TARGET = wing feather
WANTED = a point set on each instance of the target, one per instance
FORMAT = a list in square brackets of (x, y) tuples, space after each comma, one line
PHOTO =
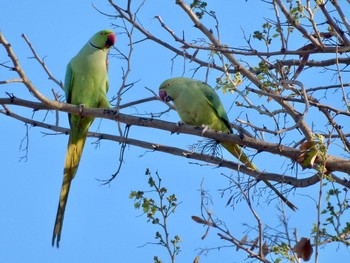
[(68, 82), (215, 102)]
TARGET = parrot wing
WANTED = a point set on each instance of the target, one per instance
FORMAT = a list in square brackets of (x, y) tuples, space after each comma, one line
[(68, 81), (215, 102)]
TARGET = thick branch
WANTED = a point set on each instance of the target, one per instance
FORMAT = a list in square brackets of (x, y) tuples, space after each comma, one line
[(295, 182), (333, 163)]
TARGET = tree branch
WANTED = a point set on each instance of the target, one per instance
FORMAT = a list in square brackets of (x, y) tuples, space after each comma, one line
[(333, 163), (42, 63)]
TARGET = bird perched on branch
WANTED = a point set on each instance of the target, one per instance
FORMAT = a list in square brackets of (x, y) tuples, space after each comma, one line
[(198, 104), (86, 84)]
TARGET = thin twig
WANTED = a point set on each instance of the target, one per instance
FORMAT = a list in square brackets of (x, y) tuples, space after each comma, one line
[(42, 63)]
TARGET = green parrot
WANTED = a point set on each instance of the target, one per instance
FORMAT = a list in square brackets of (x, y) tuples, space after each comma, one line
[(198, 104), (86, 84)]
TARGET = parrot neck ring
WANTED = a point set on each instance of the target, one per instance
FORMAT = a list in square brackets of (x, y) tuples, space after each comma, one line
[(95, 46)]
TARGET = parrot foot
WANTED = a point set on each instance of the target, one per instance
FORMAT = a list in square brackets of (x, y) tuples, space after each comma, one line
[(81, 108), (205, 128), (180, 123)]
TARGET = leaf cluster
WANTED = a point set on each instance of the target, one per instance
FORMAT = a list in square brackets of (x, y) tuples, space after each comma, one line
[(158, 205), (335, 226)]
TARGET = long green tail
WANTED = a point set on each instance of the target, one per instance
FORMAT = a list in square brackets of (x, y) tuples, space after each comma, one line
[(74, 152), (236, 151)]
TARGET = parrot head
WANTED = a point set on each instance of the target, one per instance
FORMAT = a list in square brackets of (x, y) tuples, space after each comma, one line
[(103, 39), (170, 88)]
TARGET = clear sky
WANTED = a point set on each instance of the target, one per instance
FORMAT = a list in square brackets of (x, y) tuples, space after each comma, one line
[(101, 224)]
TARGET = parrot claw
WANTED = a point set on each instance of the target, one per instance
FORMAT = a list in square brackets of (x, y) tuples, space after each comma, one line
[(205, 128), (180, 123), (81, 108)]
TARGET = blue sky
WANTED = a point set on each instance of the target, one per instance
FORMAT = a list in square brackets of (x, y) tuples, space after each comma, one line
[(101, 224)]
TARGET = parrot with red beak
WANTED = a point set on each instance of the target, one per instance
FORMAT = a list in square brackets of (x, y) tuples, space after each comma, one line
[(86, 84)]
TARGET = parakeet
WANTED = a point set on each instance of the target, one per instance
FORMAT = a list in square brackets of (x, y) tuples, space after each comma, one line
[(198, 104), (86, 84)]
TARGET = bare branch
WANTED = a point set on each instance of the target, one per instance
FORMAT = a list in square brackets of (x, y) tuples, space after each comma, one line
[(334, 25), (42, 63), (294, 23), (10, 81), (333, 163)]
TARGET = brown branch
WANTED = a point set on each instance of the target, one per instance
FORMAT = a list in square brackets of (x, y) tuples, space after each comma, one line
[(10, 81), (42, 63), (312, 101), (333, 25), (254, 79), (250, 252), (230, 50), (338, 165), (333, 163), (25, 103), (17, 67), (162, 148), (253, 52), (313, 63), (224, 232), (301, 29), (125, 14), (341, 14)]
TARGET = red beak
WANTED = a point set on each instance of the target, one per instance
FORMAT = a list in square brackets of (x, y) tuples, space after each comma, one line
[(110, 40)]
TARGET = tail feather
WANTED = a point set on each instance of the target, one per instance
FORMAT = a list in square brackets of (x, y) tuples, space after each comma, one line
[(237, 151), (73, 155)]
